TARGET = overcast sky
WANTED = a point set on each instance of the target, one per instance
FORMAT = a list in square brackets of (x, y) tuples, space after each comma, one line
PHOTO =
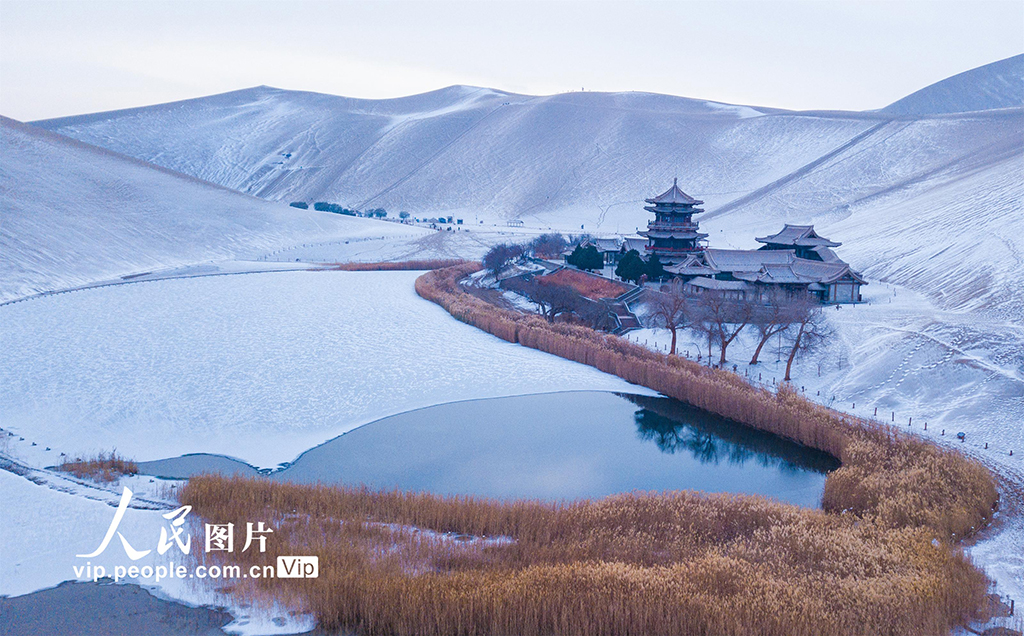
[(64, 58)]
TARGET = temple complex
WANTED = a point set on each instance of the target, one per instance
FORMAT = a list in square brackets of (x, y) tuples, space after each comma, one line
[(796, 259)]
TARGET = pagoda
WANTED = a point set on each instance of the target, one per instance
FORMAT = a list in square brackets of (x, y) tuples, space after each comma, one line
[(673, 235)]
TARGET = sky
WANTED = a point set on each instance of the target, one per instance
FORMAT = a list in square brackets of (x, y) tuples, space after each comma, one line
[(65, 58)]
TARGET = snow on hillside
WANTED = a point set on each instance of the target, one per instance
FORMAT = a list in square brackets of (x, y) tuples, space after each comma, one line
[(463, 149), (259, 366), (996, 85), (73, 214), (933, 204), (585, 162)]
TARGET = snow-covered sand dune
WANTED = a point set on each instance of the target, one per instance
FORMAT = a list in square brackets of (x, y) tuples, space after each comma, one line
[(996, 85), (73, 214), (891, 184)]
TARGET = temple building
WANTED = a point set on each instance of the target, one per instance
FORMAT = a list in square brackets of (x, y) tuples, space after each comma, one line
[(796, 259), (673, 235)]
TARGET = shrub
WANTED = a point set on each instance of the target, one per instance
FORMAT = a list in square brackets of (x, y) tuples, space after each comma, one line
[(302, 205), (324, 206), (654, 268), (103, 467), (548, 245), (501, 256), (586, 258), (631, 267)]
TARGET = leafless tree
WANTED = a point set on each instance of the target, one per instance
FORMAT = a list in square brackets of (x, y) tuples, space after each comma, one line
[(554, 300), (808, 328), (594, 313), (770, 317), (499, 257), (670, 309), (721, 318), (548, 245)]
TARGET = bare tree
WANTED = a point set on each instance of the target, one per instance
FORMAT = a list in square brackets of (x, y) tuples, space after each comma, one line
[(670, 309), (721, 319), (808, 327), (596, 314), (771, 317), (499, 257), (553, 300), (548, 245)]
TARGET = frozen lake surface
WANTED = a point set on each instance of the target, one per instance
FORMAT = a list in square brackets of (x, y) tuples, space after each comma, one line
[(259, 367), (560, 446)]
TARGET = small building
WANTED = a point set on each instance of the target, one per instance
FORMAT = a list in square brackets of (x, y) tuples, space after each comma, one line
[(830, 281)]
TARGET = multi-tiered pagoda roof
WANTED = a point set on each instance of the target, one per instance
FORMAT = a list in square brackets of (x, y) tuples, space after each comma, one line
[(673, 234)]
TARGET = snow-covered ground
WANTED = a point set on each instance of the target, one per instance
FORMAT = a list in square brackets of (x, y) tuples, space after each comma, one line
[(931, 202), (47, 525), (898, 353), (262, 366), (259, 367), (73, 214)]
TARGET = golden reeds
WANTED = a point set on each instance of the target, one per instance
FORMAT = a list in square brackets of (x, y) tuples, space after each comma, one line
[(881, 558), (103, 467), (661, 563)]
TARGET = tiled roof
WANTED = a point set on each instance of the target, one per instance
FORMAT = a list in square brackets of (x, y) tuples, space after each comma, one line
[(746, 260), (765, 266), (606, 244), (802, 235), (674, 234), (721, 285), (674, 195), (826, 254)]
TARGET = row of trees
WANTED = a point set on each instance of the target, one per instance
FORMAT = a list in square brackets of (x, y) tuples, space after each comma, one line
[(544, 246), (324, 206), (720, 319)]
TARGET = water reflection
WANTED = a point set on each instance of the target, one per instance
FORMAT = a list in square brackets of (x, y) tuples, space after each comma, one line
[(555, 446), (675, 427)]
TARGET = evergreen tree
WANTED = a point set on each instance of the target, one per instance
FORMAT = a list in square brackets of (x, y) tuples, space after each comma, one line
[(586, 258), (631, 267), (654, 269)]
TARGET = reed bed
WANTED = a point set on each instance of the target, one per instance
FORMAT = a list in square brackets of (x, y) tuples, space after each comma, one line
[(103, 467), (660, 563), (894, 478), (419, 265), (881, 558)]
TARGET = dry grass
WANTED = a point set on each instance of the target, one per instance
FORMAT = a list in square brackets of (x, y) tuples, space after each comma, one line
[(881, 558), (397, 266), (669, 563), (592, 287), (105, 468), (887, 475)]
